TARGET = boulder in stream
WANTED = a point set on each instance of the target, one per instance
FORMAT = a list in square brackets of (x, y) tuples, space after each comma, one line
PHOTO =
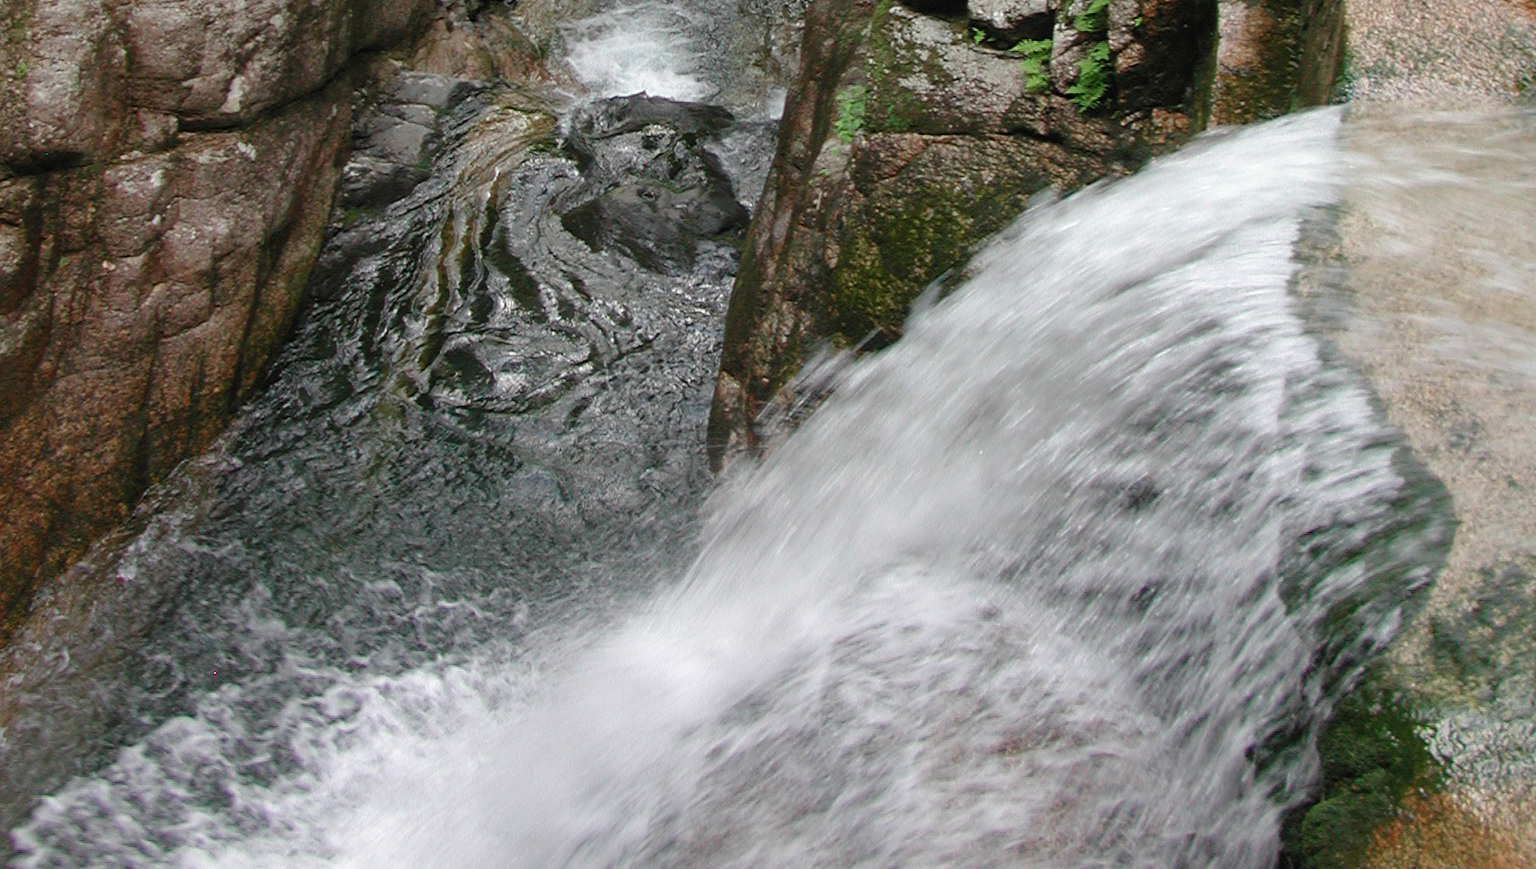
[(659, 190)]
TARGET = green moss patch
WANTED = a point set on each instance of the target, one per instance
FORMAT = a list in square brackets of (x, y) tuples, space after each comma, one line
[(1374, 759), (923, 222), (887, 261)]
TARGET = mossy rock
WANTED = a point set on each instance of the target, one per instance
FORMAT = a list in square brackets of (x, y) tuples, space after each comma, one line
[(925, 220), (1374, 759), (925, 75)]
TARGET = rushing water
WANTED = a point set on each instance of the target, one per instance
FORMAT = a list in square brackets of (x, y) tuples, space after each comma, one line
[(1064, 578), (1044, 584)]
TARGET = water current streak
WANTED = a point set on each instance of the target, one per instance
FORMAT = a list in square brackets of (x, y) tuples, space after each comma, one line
[(1064, 578)]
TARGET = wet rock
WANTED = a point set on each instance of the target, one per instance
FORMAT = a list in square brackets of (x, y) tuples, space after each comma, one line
[(1373, 758), (545, 245), (655, 224), (605, 119), (917, 129), (907, 139), (1017, 19), (659, 192), (1427, 261), (166, 171), (154, 290), (394, 140)]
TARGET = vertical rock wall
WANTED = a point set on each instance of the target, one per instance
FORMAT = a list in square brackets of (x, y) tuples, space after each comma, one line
[(166, 170), (911, 135), (1275, 56), (916, 129)]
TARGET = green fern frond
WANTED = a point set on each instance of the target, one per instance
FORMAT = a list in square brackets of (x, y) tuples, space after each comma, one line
[(1095, 19), (1036, 63), (1093, 78), (852, 104)]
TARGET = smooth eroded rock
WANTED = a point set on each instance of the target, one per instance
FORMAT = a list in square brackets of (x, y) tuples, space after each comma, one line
[(659, 190)]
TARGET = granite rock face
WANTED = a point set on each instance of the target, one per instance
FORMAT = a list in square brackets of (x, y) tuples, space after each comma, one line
[(166, 172), (87, 80), (917, 129), (1274, 57), (1015, 17), (907, 139)]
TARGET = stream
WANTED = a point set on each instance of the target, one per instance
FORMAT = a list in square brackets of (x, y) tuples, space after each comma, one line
[(1066, 577)]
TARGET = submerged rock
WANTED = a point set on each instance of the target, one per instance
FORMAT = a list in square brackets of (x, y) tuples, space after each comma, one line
[(393, 143), (658, 191), (616, 116), (657, 225)]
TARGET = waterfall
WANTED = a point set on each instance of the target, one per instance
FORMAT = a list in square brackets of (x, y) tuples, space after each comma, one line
[(1063, 578)]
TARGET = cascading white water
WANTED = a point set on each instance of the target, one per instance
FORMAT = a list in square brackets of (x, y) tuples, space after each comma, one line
[(640, 48), (1038, 586), (728, 54)]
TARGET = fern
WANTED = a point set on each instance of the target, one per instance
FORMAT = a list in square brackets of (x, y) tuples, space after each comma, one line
[(1093, 78), (852, 103), (1095, 19), (1036, 63)]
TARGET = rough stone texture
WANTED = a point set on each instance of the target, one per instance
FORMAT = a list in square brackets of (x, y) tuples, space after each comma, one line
[(166, 171), (218, 64), (1445, 332), (906, 140), (1445, 335), (467, 40), (87, 79), (1015, 18), (1439, 265), (1275, 56), (1439, 54), (152, 289), (62, 72)]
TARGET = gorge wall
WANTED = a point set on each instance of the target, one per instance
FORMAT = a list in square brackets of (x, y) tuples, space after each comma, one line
[(167, 168), (916, 130), (166, 172)]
